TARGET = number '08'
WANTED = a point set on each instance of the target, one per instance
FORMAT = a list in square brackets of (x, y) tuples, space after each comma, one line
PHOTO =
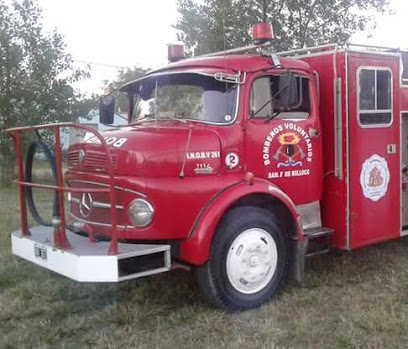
[(109, 141)]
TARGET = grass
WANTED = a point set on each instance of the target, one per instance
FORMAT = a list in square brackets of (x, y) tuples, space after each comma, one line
[(351, 300)]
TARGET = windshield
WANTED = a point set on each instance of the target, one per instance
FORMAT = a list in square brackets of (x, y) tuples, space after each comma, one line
[(186, 96)]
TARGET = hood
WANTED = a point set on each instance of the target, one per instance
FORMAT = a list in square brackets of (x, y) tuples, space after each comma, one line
[(150, 151)]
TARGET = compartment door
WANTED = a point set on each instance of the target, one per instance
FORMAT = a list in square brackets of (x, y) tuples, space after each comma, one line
[(374, 149)]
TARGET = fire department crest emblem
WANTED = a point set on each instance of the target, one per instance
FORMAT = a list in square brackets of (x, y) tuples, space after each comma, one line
[(374, 178), (288, 151), (289, 154)]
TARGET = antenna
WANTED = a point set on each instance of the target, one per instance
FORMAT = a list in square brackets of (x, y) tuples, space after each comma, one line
[(262, 37), (155, 102), (225, 64), (224, 40)]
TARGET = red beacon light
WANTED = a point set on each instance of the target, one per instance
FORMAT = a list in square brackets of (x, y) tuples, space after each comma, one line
[(262, 33), (175, 52)]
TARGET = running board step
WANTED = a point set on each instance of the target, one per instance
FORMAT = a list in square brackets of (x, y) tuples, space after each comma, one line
[(317, 241), (317, 232)]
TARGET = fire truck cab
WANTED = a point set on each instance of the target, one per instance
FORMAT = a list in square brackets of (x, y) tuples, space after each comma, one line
[(240, 165)]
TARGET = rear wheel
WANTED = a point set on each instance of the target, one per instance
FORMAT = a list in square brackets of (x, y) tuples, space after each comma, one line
[(248, 260)]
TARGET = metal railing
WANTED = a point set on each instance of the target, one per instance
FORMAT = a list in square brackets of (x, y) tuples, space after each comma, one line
[(307, 50), (60, 238)]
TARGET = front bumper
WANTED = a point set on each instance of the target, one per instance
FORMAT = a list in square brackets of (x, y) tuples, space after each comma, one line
[(90, 262)]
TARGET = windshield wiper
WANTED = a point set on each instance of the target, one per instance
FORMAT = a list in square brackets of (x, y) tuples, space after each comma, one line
[(151, 117), (176, 119), (144, 118)]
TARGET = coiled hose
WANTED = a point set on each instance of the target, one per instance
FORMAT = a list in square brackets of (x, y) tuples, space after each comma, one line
[(28, 178)]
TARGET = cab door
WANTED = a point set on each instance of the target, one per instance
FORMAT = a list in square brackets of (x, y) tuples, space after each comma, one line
[(374, 149), (283, 137)]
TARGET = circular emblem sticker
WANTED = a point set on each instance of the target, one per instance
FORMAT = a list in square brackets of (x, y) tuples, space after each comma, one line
[(232, 160), (374, 177)]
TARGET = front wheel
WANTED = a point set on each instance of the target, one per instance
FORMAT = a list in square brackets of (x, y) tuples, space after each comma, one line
[(248, 260)]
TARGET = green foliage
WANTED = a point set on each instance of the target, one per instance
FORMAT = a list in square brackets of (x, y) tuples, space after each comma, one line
[(183, 100), (35, 75), (124, 76), (203, 25)]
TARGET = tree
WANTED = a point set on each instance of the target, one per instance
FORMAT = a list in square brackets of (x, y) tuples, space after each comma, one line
[(212, 25), (35, 76), (124, 76)]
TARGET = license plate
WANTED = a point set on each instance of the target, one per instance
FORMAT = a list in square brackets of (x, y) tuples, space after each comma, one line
[(40, 252)]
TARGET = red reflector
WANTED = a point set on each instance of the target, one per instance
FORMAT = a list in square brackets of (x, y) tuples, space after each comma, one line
[(262, 32), (175, 52), (250, 178)]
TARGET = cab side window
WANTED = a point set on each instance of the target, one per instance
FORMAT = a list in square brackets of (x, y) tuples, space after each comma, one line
[(260, 98), (280, 96), (375, 97), (404, 68)]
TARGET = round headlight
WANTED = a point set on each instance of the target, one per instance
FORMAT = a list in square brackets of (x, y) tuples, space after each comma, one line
[(140, 213)]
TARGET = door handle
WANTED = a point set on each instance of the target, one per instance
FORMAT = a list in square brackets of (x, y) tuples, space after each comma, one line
[(391, 148), (313, 133)]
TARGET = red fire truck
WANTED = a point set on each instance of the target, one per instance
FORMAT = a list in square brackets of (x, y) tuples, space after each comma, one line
[(238, 164)]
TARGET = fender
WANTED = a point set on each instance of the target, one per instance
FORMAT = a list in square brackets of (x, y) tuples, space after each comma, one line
[(196, 248)]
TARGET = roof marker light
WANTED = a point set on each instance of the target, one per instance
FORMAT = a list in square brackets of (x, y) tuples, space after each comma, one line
[(262, 33), (175, 52)]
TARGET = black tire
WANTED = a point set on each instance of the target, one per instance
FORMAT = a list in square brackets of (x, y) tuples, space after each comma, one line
[(213, 277)]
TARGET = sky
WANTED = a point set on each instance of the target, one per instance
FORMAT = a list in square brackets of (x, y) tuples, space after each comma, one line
[(117, 33), (124, 33)]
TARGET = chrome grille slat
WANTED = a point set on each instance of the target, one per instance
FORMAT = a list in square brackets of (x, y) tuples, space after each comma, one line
[(73, 158)]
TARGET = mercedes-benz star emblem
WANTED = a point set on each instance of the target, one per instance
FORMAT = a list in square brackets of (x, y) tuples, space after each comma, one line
[(85, 204), (81, 156)]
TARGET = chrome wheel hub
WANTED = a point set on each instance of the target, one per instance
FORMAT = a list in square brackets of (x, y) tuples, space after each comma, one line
[(251, 261)]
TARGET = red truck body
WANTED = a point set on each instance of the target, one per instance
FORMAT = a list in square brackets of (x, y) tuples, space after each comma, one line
[(328, 169), (359, 216), (155, 155)]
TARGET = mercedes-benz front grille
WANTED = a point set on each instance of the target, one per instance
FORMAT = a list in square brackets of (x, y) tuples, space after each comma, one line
[(90, 159)]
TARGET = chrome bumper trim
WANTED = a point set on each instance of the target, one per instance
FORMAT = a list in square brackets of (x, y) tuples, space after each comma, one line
[(100, 224), (94, 203), (107, 185)]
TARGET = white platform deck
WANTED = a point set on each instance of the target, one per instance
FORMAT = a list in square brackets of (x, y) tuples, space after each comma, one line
[(85, 261)]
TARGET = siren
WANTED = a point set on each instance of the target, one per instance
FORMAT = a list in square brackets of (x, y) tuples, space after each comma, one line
[(262, 33), (175, 52)]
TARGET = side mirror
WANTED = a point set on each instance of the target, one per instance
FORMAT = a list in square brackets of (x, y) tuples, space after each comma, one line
[(106, 110)]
